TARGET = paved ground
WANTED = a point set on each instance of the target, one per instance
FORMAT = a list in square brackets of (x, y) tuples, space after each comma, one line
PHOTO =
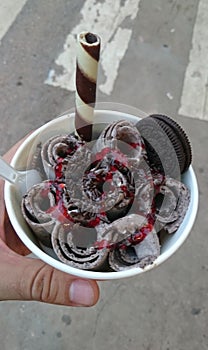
[(166, 309)]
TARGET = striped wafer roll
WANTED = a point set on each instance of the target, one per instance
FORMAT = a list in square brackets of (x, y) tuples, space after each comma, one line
[(86, 77)]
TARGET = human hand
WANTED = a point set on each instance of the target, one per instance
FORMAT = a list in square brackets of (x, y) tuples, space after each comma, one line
[(24, 278)]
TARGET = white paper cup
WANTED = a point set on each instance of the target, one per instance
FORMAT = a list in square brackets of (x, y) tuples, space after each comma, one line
[(65, 124)]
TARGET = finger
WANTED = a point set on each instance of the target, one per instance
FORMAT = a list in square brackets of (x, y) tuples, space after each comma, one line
[(31, 279)]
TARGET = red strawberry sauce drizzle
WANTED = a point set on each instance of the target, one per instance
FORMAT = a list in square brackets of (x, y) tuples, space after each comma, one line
[(72, 148), (137, 145), (58, 169), (114, 161), (118, 160), (59, 210), (132, 240)]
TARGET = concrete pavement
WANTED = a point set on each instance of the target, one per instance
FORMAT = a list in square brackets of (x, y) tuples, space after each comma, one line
[(167, 308)]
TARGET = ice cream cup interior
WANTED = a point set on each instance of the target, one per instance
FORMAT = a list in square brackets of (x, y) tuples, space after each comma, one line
[(13, 200)]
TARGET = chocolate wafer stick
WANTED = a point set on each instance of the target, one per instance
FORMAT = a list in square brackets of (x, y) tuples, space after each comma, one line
[(86, 78)]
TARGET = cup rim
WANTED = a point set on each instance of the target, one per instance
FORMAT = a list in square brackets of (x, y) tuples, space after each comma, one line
[(96, 275)]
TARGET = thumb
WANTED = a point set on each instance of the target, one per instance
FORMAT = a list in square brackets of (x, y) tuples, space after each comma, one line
[(31, 279)]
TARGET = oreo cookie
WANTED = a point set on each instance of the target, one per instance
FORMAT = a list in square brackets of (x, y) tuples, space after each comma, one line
[(167, 145), (182, 136)]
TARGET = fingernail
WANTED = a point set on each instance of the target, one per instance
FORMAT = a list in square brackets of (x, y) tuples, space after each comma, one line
[(81, 293)]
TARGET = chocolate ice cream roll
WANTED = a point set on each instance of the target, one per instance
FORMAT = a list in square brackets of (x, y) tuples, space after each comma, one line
[(74, 171), (120, 155), (140, 247), (75, 246), (37, 205), (171, 202), (124, 136), (108, 185), (55, 150), (120, 231)]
